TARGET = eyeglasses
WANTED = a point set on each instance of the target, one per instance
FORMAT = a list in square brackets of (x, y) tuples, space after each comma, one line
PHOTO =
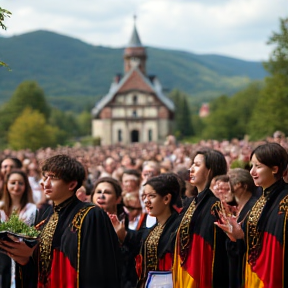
[(50, 176)]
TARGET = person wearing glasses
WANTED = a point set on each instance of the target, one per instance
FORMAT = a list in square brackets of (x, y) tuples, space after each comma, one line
[(78, 245), (131, 181)]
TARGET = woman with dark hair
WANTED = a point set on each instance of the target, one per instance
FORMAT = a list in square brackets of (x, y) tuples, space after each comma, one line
[(17, 198), (200, 258), (160, 195), (265, 228)]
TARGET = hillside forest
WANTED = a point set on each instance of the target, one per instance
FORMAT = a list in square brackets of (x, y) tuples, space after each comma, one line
[(28, 121)]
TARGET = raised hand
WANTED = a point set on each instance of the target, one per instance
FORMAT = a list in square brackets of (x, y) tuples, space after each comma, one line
[(119, 227), (228, 222)]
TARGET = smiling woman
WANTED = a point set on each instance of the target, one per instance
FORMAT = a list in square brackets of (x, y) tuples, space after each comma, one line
[(17, 199), (266, 263), (264, 230)]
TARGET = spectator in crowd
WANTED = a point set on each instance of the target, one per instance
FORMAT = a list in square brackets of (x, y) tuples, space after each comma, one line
[(34, 177), (278, 137), (244, 192), (17, 198), (221, 188), (190, 190), (131, 180), (7, 164), (109, 166), (81, 194), (149, 169), (107, 195)]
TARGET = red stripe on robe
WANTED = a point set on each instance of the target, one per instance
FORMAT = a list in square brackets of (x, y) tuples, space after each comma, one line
[(62, 273), (199, 261), (268, 269), (165, 264), (198, 267)]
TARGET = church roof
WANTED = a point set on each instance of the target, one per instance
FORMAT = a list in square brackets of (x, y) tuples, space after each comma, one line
[(135, 39), (134, 79)]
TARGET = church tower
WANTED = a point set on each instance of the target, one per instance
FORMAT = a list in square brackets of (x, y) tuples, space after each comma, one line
[(135, 109), (135, 53)]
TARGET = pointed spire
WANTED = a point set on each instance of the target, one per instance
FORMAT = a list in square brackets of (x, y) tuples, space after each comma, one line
[(135, 39)]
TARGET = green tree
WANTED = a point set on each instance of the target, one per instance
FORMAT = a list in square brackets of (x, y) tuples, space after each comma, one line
[(229, 115), (27, 94), (84, 121), (278, 61), (271, 110), (215, 125), (3, 13), (30, 131), (66, 121), (183, 120)]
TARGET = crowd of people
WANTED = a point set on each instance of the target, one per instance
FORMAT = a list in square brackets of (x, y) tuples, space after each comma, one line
[(210, 214)]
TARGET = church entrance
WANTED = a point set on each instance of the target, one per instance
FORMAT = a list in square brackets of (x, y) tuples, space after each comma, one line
[(134, 136)]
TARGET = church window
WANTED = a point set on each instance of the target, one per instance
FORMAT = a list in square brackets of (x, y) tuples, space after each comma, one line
[(119, 135), (150, 134), (135, 99)]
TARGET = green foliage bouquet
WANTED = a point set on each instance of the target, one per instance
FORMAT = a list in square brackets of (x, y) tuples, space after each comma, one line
[(16, 227)]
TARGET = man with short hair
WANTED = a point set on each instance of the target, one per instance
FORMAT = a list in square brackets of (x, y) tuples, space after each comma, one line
[(78, 245)]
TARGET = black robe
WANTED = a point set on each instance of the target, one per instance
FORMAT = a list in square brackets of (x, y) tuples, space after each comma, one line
[(266, 234), (200, 253), (85, 251), (236, 250), (135, 241)]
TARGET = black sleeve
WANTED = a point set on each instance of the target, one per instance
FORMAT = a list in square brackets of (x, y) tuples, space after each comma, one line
[(100, 255)]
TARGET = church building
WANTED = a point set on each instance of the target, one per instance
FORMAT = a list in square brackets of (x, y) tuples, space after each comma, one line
[(135, 108)]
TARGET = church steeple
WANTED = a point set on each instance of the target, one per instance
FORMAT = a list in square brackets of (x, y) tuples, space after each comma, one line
[(135, 39), (135, 52)]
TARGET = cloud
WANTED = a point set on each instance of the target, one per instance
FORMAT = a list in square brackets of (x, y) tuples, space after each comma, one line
[(238, 27)]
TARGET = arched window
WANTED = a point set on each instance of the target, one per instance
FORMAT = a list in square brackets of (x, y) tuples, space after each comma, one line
[(135, 99), (150, 135), (134, 136), (119, 135)]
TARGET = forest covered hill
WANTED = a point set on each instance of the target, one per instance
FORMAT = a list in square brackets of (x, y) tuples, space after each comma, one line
[(74, 74)]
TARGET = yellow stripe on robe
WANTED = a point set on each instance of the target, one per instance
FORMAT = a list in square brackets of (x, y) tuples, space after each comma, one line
[(251, 278), (181, 278)]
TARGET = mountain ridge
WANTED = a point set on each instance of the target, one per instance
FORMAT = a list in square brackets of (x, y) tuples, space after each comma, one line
[(70, 70)]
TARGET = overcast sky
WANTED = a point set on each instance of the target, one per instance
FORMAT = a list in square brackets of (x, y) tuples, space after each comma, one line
[(236, 28)]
